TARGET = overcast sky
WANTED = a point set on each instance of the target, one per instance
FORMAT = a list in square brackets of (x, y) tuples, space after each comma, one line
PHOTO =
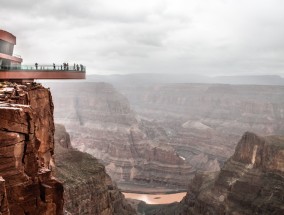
[(208, 37)]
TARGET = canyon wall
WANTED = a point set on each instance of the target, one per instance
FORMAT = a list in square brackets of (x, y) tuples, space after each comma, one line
[(168, 130), (26, 151), (88, 189), (250, 182), (207, 120), (101, 122)]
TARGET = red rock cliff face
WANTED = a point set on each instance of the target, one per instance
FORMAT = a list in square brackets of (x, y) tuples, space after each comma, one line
[(251, 181), (26, 149)]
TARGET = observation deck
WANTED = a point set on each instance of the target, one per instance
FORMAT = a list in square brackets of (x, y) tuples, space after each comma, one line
[(26, 72), (11, 68)]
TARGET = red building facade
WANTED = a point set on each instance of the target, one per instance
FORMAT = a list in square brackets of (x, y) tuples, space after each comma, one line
[(7, 42)]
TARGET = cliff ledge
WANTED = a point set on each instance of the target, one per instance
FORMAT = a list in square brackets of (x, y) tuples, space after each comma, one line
[(26, 151)]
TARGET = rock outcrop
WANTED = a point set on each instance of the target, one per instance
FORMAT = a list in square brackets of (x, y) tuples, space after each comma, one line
[(88, 189), (26, 150), (250, 182)]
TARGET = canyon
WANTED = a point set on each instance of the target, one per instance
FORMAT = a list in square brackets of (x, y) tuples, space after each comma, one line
[(210, 118), (87, 187), (40, 172), (250, 182), (101, 122), (160, 135)]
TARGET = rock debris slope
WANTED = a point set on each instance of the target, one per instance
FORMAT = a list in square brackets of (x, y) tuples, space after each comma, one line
[(26, 150)]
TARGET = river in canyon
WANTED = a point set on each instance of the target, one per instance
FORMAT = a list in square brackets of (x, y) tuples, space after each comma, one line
[(155, 199)]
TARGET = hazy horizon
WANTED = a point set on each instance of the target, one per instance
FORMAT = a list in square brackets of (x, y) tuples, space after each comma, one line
[(208, 38), (201, 75)]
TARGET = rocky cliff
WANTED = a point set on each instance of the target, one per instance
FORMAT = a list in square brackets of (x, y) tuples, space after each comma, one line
[(26, 151), (250, 182), (169, 128), (209, 119), (101, 122), (88, 189)]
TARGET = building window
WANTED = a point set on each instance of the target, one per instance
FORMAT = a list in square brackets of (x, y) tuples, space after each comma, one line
[(6, 48)]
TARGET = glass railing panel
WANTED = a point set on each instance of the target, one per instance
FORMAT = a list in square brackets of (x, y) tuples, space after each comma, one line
[(76, 68)]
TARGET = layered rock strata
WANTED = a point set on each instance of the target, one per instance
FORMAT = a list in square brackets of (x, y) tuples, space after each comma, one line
[(209, 119), (88, 189), (101, 122), (26, 149), (201, 123), (251, 181)]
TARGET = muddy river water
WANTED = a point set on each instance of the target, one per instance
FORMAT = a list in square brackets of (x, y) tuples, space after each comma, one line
[(156, 198)]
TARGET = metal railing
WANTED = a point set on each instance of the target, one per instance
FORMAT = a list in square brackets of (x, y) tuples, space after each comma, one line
[(17, 55), (63, 68)]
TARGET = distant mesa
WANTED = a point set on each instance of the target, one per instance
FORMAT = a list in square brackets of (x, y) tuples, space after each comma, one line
[(11, 68)]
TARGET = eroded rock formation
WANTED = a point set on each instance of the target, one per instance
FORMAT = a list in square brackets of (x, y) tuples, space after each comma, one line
[(250, 182), (26, 150), (189, 127), (209, 118), (88, 189), (101, 123)]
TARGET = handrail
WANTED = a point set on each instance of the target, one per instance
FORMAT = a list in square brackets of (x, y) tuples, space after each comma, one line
[(17, 55), (62, 68)]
